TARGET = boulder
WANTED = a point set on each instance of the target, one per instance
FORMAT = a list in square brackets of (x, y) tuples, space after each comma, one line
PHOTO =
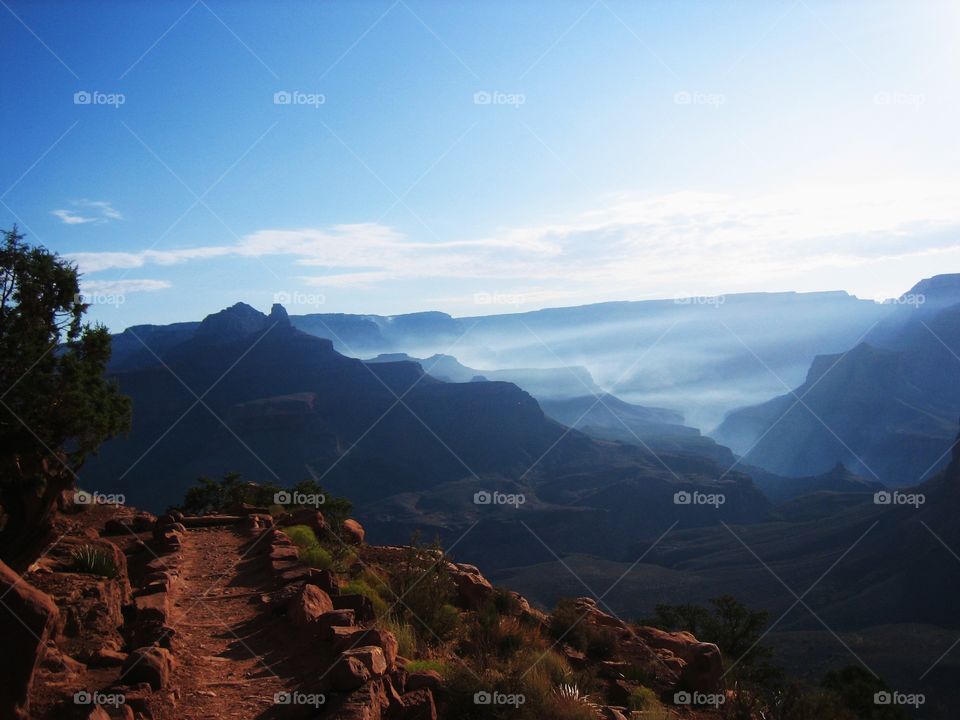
[(352, 532), (152, 608), (151, 665), (28, 618), (473, 589), (704, 669), (334, 619), (588, 607), (371, 656), (284, 552), (360, 604), (308, 606), (377, 637), (348, 673), (326, 580)]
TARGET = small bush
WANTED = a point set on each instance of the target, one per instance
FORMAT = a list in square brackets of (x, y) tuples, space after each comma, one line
[(302, 536), (643, 698), (363, 586), (406, 638), (316, 557), (601, 643), (93, 561), (424, 665)]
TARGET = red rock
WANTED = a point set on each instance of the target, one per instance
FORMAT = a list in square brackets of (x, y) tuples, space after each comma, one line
[(334, 619), (473, 589), (353, 532), (28, 618), (704, 669), (348, 673), (154, 607), (308, 606), (383, 639), (151, 665), (371, 656), (360, 604)]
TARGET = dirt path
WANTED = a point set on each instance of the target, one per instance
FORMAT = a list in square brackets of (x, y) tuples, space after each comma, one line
[(218, 621)]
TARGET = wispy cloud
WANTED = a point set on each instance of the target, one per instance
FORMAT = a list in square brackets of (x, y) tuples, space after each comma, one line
[(629, 243), (88, 211), (123, 287)]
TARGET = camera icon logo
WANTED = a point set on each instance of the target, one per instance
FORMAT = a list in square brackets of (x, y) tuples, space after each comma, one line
[(282, 698), (82, 497), (282, 498), (82, 97), (682, 698), (482, 698), (282, 97), (682, 498), (883, 497), (882, 698), (82, 697), (482, 97), (482, 498)]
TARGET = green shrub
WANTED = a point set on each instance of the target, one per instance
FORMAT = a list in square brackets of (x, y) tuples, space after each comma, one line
[(316, 557), (302, 536), (93, 561), (362, 586), (406, 638), (424, 665), (643, 698), (601, 643)]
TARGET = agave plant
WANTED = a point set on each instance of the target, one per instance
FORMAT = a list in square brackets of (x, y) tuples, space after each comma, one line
[(94, 561), (571, 694)]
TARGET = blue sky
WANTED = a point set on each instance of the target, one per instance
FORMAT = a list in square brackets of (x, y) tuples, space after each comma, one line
[(479, 157)]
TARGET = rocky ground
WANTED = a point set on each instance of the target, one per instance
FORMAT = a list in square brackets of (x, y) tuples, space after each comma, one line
[(217, 617)]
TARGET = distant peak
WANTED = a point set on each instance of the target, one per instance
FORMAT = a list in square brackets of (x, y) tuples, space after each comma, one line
[(939, 289), (278, 315), (231, 323)]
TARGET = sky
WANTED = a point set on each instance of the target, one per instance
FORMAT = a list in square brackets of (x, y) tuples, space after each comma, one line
[(479, 157)]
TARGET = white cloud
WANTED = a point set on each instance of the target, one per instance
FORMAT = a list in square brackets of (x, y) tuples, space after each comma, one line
[(100, 211), (123, 287), (71, 218), (634, 245)]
